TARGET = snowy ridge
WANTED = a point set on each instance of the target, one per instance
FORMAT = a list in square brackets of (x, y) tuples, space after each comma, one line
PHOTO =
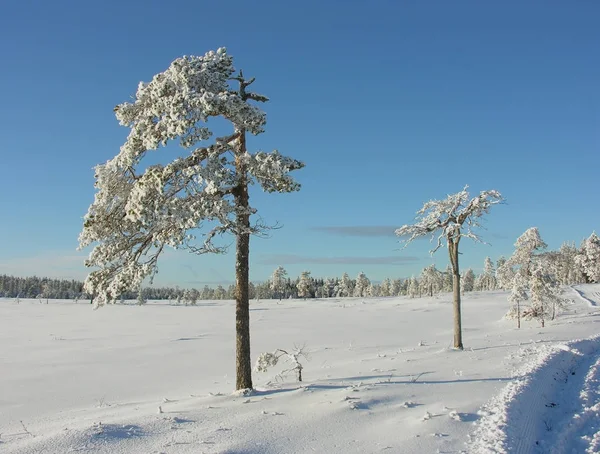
[(527, 415), (584, 298)]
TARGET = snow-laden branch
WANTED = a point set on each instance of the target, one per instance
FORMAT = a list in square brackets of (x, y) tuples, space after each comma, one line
[(452, 218)]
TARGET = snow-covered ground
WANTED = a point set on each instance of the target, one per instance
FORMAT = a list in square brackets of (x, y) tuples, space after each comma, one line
[(381, 377)]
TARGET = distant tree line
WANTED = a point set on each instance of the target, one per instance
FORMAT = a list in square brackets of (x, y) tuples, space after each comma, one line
[(42, 287), (567, 266)]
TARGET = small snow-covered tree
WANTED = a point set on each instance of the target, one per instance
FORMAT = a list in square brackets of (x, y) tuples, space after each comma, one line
[(447, 279), (413, 287), (529, 270), (304, 285), (452, 219), (385, 289), (267, 360), (431, 280), (372, 290), (207, 293), (46, 291), (362, 284), (138, 212), (545, 295), (396, 287), (502, 279), (505, 274), (190, 296), (278, 282), (220, 293), (467, 282), (487, 279), (567, 268), (323, 291), (522, 264), (589, 257), (344, 287)]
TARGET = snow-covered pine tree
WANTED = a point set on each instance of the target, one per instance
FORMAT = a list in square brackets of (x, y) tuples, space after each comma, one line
[(412, 290), (304, 285), (453, 218), (373, 290), (567, 269), (530, 273), (522, 265), (278, 282), (207, 293), (323, 291), (344, 287), (431, 280), (220, 293), (447, 284), (385, 289), (487, 279), (467, 281), (589, 257), (362, 284), (545, 295), (396, 287), (190, 296), (138, 212), (328, 287), (504, 276), (503, 281)]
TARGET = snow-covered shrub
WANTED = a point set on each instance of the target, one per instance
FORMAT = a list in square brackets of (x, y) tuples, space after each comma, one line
[(267, 360)]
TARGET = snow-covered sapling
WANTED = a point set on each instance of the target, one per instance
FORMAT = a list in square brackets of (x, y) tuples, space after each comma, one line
[(267, 360), (278, 282), (454, 218), (526, 274), (138, 211), (589, 258), (304, 285)]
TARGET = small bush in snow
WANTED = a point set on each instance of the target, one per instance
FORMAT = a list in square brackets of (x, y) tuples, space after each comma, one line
[(267, 360)]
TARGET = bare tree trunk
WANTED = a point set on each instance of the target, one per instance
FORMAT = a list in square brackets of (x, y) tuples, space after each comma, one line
[(518, 314), (453, 252), (243, 364)]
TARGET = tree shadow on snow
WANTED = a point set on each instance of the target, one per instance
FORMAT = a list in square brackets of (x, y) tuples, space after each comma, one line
[(383, 377), (199, 337), (242, 451), (468, 417), (414, 379), (109, 432), (521, 344)]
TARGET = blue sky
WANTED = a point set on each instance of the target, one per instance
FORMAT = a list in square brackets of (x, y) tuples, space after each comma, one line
[(389, 104)]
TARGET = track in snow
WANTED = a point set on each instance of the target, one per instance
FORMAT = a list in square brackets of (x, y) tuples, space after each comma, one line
[(553, 406)]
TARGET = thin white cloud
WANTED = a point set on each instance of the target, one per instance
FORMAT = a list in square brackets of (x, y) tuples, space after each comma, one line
[(291, 259), (359, 230)]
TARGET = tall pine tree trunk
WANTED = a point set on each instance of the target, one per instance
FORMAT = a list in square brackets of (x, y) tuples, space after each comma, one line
[(243, 364), (453, 252)]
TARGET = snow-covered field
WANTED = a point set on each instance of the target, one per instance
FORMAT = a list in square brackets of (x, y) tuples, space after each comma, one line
[(381, 378)]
